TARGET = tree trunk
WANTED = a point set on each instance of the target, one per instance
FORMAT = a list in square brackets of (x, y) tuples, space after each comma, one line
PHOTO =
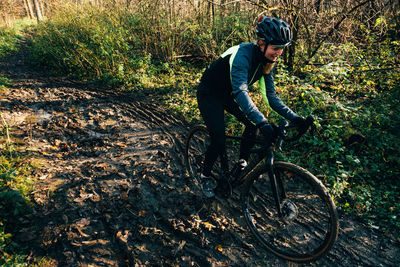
[(42, 7), (292, 48), (28, 7), (38, 11)]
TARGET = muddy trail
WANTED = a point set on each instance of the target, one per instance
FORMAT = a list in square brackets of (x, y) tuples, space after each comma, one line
[(113, 190)]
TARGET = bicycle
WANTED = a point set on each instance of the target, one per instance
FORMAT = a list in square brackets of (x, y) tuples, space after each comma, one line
[(286, 207)]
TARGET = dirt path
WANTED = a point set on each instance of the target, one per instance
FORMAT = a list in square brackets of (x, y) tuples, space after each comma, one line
[(113, 190)]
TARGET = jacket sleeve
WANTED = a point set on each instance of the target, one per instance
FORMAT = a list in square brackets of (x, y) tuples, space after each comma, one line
[(270, 96), (239, 69)]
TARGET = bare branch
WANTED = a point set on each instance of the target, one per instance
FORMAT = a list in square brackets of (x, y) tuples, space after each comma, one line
[(335, 27)]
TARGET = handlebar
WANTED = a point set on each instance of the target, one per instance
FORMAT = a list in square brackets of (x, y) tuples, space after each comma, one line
[(284, 126), (282, 134)]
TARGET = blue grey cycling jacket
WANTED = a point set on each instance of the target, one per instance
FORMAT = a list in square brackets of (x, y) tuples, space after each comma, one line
[(232, 74)]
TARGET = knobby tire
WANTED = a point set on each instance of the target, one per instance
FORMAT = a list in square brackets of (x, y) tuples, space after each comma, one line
[(313, 230), (309, 235)]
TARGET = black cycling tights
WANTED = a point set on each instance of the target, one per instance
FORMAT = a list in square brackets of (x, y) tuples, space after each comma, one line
[(212, 110)]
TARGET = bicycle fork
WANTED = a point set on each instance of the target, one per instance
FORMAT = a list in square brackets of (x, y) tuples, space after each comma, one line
[(276, 182)]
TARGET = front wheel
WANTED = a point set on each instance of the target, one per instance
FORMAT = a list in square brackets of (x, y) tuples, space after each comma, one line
[(308, 226)]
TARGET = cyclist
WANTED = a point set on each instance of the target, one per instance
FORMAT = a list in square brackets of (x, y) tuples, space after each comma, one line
[(225, 86)]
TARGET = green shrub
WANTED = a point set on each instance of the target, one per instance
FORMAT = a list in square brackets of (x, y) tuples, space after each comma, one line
[(88, 45), (356, 149), (8, 41), (121, 48), (16, 183), (10, 37)]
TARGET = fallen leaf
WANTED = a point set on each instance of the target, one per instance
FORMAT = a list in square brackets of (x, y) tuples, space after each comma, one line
[(209, 226), (43, 177), (94, 242), (83, 222), (142, 212), (141, 248), (218, 247), (122, 145)]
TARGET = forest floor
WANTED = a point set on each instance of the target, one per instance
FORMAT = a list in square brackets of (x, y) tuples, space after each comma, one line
[(112, 188)]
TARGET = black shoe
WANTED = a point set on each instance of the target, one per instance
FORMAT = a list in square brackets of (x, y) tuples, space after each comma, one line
[(238, 168), (207, 186)]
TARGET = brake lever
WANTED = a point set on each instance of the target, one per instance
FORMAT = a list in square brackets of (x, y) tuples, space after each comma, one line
[(282, 132), (279, 144), (284, 125), (310, 119)]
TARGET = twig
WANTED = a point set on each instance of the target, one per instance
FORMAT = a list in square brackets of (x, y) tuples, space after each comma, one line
[(333, 29), (6, 127), (224, 4), (384, 69)]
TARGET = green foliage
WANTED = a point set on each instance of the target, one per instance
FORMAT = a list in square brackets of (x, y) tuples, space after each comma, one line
[(10, 37), (8, 41), (4, 83), (355, 98), (121, 48), (210, 39), (16, 183), (88, 45)]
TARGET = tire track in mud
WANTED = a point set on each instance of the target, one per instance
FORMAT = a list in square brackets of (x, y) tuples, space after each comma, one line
[(113, 189)]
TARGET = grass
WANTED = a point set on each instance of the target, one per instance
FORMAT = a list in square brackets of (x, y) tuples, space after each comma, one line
[(16, 184), (10, 37), (16, 168)]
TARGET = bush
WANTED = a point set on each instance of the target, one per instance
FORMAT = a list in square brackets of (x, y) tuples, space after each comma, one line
[(8, 41), (122, 48), (16, 183), (356, 149), (88, 45)]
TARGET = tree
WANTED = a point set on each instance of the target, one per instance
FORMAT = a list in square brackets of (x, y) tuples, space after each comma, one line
[(38, 11), (29, 9)]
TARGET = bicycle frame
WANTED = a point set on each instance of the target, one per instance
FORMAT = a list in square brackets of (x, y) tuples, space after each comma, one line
[(266, 153)]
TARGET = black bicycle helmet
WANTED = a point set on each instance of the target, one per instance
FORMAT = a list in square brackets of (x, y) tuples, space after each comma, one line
[(274, 31)]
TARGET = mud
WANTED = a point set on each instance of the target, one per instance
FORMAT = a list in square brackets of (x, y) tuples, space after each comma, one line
[(113, 191)]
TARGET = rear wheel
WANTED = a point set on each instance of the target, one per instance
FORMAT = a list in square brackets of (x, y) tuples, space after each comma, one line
[(308, 226), (196, 146), (197, 142)]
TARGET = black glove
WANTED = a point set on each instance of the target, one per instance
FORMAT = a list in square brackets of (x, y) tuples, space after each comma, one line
[(268, 131), (300, 123)]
